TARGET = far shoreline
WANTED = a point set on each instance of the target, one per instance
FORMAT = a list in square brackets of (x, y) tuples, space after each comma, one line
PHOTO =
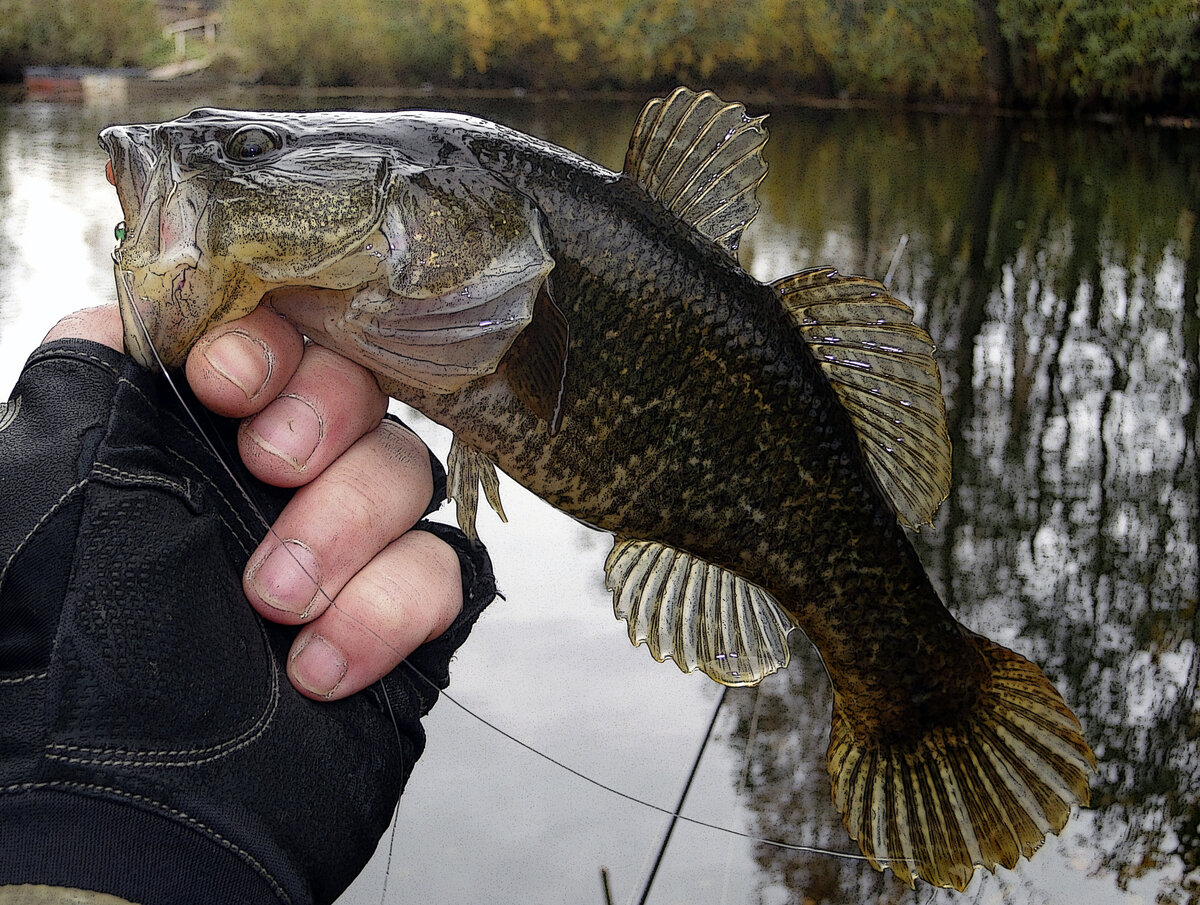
[(760, 98)]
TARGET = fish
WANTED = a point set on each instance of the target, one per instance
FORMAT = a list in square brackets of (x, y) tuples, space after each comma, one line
[(760, 452)]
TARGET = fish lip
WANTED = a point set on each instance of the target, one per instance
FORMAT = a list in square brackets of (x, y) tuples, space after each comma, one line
[(152, 282), (130, 149), (130, 161)]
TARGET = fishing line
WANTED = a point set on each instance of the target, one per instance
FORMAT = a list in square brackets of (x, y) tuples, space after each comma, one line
[(258, 513), (788, 846), (215, 450), (387, 873), (896, 256), (662, 849)]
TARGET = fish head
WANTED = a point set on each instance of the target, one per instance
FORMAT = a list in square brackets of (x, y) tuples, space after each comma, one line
[(221, 206), (383, 229)]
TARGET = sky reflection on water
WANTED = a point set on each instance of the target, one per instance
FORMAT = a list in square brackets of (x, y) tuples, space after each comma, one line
[(1056, 267)]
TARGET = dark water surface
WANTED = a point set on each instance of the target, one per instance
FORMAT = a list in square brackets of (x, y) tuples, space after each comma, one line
[(1057, 267)]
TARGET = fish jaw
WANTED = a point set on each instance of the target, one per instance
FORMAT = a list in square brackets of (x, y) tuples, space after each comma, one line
[(131, 164), (170, 290)]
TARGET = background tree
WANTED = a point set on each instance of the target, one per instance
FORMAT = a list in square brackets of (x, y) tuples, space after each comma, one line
[(102, 33)]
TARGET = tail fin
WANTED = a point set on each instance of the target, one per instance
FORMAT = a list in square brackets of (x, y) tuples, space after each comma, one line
[(981, 792)]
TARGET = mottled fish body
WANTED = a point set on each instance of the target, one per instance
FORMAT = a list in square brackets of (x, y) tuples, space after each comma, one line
[(757, 450)]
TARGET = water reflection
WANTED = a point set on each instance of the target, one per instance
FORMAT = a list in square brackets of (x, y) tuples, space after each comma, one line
[(1057, 267)]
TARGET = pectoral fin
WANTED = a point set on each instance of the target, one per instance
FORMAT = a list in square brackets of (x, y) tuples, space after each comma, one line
[(699, 615), (702, 158), (881, 366), (536, 365)]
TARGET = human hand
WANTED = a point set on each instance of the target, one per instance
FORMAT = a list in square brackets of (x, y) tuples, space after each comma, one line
[(313, 421)]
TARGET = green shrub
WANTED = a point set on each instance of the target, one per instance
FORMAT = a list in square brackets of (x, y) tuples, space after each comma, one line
[(1103, 52), (1082, 53), (102, 33)]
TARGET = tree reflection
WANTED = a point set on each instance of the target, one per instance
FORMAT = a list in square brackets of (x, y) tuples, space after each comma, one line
[(1057, 269)]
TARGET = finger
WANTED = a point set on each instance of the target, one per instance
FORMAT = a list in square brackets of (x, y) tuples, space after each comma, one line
[(327, 405), (238, 368), (101, 324), (409, 594), (334, 526)]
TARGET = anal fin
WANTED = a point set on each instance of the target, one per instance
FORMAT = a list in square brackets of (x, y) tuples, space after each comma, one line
[(701, 616)]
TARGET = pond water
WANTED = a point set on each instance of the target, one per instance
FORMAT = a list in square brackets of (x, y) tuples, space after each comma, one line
[(1057, 267)]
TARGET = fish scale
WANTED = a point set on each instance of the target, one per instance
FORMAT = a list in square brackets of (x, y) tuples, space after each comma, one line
[(757, 450)]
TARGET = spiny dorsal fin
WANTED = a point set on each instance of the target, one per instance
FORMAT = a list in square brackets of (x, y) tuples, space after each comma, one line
[(882, 367), (701, 616), (536, 365), (702, 158), (983, 790), (466, 470)]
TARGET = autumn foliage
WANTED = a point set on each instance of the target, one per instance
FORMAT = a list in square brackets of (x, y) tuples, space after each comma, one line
[(1091, 53), (1073, 54)]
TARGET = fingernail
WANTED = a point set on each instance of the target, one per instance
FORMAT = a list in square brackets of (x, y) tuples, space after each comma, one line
[(289, 428), (318, 666), (241, 359), (289, 578)]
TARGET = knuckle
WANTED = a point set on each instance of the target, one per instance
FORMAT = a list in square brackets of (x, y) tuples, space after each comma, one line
[(360, 497), (402, 446)]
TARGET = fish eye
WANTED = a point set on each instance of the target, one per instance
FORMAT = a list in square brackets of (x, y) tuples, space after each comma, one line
[(249, 143)]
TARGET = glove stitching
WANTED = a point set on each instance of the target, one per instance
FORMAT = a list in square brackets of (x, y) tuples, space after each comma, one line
[(58, 504), (212, 752), (157, 805), (48, 357), (121, 476), (205, 479), (114, 757)]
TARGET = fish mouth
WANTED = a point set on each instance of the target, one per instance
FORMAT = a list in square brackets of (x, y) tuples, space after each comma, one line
[(161, 285), (130, 163), (131, 160)]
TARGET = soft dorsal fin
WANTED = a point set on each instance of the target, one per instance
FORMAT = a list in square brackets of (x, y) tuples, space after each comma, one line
[(701, 616), (466, 470), (702, 158), (882, 367)]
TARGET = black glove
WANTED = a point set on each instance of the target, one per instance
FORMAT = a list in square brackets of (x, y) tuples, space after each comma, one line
[(151, 746)]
